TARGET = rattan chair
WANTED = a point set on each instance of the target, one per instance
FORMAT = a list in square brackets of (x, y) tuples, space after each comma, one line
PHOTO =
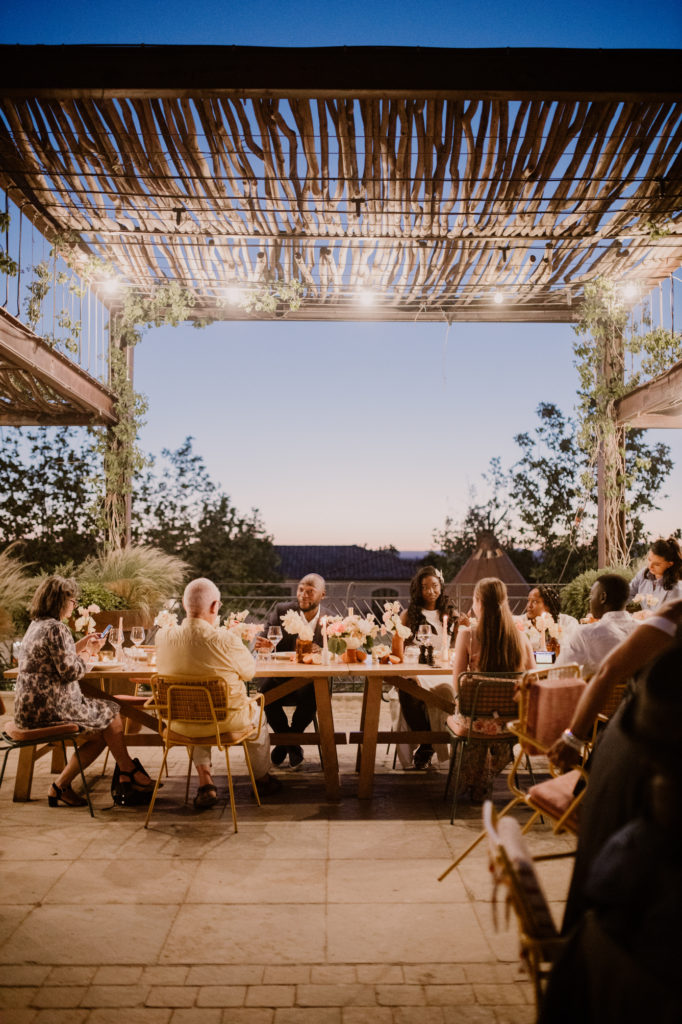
[(543, 714), (480, 696), (512, 868), (192, 712)]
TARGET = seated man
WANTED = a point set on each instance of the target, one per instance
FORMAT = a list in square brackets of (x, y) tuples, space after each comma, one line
[(198, 648), (588, 645), (309, 594)]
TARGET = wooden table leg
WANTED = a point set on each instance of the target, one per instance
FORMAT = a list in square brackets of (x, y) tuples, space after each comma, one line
[(325, 721), (363, 713), (373, 686), (24, 777)]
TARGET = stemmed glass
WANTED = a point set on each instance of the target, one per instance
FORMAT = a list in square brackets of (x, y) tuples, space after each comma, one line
[(424, 635), (116, 641), (137, 635), (274, 636)]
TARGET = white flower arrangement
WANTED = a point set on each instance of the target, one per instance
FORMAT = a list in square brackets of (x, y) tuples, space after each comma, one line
[(246, 631), (165, 619), (85, 623), (650, 600), (542, 629), (391, 620), (380, 651), (351, 633), (298, 625)]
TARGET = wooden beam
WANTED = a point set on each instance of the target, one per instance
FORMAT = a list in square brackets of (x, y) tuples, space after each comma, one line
[(360, 71), (658, 403), (89, 400)]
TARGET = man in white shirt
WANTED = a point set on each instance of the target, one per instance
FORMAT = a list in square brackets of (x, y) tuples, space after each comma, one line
[(588, 645), (199, 648)]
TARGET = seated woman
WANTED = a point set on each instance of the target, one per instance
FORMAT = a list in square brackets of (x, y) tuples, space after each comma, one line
[(544, 600), (428, 604), (661, 581), (47, 690), (493, 644)]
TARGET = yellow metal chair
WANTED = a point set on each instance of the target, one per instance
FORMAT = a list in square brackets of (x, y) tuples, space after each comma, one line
[(192, 712), (546, 699), (512, 867)]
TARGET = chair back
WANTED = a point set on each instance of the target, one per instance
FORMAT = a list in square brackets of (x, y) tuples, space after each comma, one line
[(547, 698), (613, 703), (488, 694), (189, 699)]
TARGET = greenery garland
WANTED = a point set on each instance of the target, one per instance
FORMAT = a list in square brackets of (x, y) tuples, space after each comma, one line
[(603, 333)]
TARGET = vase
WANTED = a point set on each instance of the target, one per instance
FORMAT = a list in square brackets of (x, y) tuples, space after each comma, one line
[(303, 647), (353, 656)]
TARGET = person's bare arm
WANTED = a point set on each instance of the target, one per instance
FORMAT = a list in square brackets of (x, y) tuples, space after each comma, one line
[(640, 647)]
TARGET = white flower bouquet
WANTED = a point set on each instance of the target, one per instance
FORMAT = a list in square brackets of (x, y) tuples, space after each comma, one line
[(246, 631), (85, 624), (297, 624), (391, 620), (165, 619)]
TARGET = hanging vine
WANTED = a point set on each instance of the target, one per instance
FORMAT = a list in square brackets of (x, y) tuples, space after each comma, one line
[(600, 361)]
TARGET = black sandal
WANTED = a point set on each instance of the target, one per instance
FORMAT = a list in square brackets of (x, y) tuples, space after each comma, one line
[(130, 777), (74, 800)]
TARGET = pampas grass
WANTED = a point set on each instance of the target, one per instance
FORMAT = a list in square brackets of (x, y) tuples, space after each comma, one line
[(16, 590), (143, 576)]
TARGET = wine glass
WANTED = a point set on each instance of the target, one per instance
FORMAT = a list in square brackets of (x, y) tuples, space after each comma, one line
[(116, 641), (424, 635), (137, 635), (274, 636)]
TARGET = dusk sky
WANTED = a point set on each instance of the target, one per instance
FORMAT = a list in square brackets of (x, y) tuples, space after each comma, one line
[(357, 433)]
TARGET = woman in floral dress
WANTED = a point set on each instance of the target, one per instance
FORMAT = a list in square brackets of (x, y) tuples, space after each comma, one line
[(493, 644), (47, 689)]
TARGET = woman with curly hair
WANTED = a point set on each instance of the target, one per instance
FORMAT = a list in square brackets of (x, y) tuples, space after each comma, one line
[(428, 605), (47, 690), (661, 580), (544, 600), (493, 644)]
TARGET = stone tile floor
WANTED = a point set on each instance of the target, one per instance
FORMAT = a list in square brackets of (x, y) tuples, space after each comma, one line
[(313, 913)]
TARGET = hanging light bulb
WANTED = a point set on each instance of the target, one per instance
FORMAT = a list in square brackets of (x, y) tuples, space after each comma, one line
[(630, 290), (366, 297), (498, 297), (233, 294), (110, 285)]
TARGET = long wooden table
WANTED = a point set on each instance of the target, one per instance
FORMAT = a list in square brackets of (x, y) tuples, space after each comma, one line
[(103, 680)]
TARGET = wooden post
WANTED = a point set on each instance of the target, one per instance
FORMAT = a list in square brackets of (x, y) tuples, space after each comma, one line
[(118, 497), (611, 540)]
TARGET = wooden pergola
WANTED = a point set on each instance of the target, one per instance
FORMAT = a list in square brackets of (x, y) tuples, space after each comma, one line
[(353, 183)]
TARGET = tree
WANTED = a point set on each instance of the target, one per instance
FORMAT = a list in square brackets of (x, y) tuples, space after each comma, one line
[(181, 510), (48, 494)]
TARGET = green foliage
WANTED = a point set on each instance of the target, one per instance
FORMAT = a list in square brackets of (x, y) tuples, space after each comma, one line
[(37, 289), (181, 510), (97, 593), (49, 479), (7, 264), (142, 576), (575, 596), (276, 297)]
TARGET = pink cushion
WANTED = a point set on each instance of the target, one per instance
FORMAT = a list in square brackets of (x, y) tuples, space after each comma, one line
[(540, 924), (551, 703), (133, 699), (554, 797), (48, 732), (207, 737), (483, 729)]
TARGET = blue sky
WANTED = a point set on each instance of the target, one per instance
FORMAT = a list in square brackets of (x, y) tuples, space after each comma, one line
[(355, 433)]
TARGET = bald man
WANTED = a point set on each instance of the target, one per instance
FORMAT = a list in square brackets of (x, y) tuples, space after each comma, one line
[(199, 648), (309, 594)]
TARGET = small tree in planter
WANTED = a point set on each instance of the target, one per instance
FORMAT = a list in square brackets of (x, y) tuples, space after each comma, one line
[(575, 596)]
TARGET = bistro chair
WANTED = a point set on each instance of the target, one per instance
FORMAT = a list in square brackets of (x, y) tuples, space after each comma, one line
[(513, 869), (546, 699), (34, 744), (482, 697), (192, 712)]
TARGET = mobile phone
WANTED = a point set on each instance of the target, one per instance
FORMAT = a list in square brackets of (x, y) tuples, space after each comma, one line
[(544, 657), (104, 632)]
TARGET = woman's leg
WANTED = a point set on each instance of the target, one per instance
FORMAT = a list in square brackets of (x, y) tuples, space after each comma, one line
[(87, 752), (115, 739)]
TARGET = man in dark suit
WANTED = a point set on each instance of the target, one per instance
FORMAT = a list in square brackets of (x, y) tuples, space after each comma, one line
[(309, 593)]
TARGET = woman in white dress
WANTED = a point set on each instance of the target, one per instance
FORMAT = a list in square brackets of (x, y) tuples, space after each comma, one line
[(428, 605)]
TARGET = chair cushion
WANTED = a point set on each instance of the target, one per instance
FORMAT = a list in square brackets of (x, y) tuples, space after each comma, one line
[(48, 732), (551, 703), (554, 797), (195, 732), (481, 729), (133, 699)]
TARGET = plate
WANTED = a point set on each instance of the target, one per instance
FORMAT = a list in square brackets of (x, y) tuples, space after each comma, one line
[(103, 666)]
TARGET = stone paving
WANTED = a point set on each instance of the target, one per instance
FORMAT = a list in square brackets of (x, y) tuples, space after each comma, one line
[(313, 913)]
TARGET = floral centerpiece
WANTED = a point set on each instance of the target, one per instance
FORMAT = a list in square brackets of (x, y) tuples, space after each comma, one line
[(246, 631), (296, 623), (351, 636), (391, 620), (84, 623), (650, 600), (165, 619)]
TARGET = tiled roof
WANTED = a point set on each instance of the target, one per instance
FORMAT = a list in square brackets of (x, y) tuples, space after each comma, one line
[(343, 562)]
